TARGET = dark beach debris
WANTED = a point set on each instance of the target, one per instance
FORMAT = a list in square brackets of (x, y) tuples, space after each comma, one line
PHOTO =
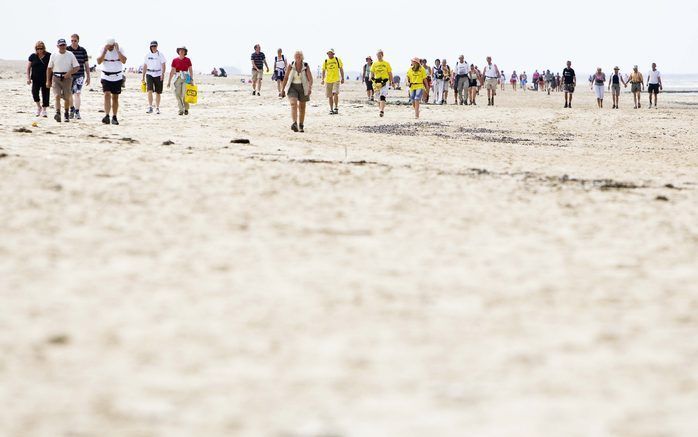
[(129, 140), (671, 187), (240, 141), (3, 155), (22, 130), (168, 143), (662, 198), (58, 340), (401, 129), (608, 184), (48, 132)]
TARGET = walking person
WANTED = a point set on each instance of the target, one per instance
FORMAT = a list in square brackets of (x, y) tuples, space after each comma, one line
[(637, 86), (382, 77), (427, 91), (366, 76), (614, 86), (461, 84), (182, 68), (298, 86), (502, 80), (654, 84), (447, 80), (154, 68), (332, 77), (599, 80), (59, 78), (492, 75), (113, 58), (524, 80), (570, 79), (37, 66), (535, 77), (259, 62), (279, 70), (82, 77), (417, 82), (438, 82), (514, 80), (474, 79)]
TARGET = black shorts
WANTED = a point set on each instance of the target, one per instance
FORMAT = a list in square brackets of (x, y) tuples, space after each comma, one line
[(472, 82), (153, 83), (369, 84), (112, 87), (653, 88)]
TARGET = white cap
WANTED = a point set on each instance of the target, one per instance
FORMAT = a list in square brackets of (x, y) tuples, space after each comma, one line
[(111, 42)]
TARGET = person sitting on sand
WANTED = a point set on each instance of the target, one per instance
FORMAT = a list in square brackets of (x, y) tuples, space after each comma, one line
[(614, 86), (637, 86), (366, 77), (492, 75), (382, 77), (113, 58), (61, 67), (279, 69), (598, 86), (570, 79), (182, 68), (298, 85), (332, 76), (153, 75), (654, 84), (36, 77), (417, 81)]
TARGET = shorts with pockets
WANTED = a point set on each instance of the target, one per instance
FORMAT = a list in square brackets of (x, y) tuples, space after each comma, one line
[(296, 91), (62, 87), (636, 87), (491, 84), (569, 88), (653, 88), (416, 95), (369, 84), (257, 75), (154, 83), (78, 82), (331, 89)]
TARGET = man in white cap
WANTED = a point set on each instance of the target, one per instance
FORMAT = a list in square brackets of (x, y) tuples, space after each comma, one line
[(113, 58), (59, 77), (332, 76), (153, 73)]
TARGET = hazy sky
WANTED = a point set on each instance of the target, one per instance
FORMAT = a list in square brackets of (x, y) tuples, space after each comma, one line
[(517, 35)]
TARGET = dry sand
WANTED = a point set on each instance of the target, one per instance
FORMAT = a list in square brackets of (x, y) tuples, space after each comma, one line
[(491, 272)]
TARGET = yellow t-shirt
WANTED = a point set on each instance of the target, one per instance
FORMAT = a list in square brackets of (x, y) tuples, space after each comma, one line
[(416, 78), (332, 66), (381, 70)]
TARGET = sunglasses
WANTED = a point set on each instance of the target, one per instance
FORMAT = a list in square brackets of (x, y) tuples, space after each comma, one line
[(39, 48)]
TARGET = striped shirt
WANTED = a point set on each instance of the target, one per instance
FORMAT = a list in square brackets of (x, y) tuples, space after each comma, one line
[(258, 59), (81, 55)]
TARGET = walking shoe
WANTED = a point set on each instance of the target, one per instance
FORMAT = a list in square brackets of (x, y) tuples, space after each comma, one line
[(157, 111), (294, 127), (67, 117), (77, 114), (150, 110), (336, 110), (254, 93), (72, 112), (565, 105), (300, 128), (331, 112), (105, 120), (38, 112), (382, 114), (114, 120), (43, 113), (181, 112), (57, 117), (186, 112)]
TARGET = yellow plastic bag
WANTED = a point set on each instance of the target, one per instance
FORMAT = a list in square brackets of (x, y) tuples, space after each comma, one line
[(144, 88), (191, 94)]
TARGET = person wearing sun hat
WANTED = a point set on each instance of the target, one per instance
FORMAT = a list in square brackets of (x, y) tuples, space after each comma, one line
[(182, 68), (113, 58), (614, 85), (417, 81), (154, 68), (332, 76), (59, 77), (637, 85), (366, 77)]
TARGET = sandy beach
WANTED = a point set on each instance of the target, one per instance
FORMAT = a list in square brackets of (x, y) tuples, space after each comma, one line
[(523, 270)]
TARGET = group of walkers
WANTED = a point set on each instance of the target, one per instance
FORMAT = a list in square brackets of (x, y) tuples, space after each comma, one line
[(66, 71)]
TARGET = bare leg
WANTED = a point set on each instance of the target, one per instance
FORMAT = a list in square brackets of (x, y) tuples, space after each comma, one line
[(294, 110), (301, 108), (157, 100), (76, 101), (115, 103), (107, 103), (150, 98)]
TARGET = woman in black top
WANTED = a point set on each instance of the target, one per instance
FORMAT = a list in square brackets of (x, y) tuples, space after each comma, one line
[(36, 77)]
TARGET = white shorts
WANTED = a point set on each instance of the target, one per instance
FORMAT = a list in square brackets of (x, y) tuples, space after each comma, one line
[(598, 90)]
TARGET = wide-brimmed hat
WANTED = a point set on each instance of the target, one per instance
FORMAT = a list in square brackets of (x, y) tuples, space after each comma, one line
[(330, 51), (417, 60), (616, 68), (368, 58), (186, 52)]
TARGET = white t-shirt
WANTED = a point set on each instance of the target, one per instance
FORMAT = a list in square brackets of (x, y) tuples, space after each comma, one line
[(112, 64), (280, 63), (153, 62), (462, 68), (62, 62), (491, 71), (654, 76)]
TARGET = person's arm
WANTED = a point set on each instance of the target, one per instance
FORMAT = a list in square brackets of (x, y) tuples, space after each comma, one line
[(164, 69), (101, 57), (122, 57), (145, 68), (49, 76), (169, 81), (285, 81), (254, 67), (341, 71), (266, 65), (309, 75), (610, 80), (29, 73), (87, 70), (659, 77), (191, 74), (322, 82)]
